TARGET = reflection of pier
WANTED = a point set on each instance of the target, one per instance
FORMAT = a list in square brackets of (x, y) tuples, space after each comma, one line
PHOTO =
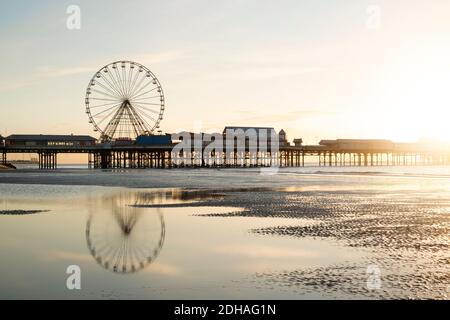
[(162, 156)]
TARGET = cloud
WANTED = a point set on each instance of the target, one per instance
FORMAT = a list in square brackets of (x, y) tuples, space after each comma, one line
[(265, 72), (264, 63), (51, 72), (44, 73), (280, 117), (155, 58), (248, 118), (152, 58), (13, 85)]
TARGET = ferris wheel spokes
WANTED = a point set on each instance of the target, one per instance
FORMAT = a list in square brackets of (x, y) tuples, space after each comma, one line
[(123, 94)]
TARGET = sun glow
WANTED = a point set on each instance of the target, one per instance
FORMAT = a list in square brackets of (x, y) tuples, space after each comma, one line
[(414, 95)]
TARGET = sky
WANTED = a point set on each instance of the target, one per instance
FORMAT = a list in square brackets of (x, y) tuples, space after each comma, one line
[(320, 69)]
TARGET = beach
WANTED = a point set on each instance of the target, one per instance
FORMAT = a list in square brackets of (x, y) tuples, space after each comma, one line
[(294, 233)]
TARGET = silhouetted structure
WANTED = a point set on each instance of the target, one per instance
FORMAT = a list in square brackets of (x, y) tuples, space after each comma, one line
[(49, 140), (340, 152)]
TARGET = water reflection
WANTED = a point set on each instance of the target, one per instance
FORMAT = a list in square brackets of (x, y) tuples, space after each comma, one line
[(19, 212), (123, 238), (173, 196)]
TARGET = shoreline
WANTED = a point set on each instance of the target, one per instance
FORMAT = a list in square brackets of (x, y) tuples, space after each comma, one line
[(214, 179)]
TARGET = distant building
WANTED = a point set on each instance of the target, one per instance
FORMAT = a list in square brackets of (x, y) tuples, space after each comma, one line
[(268, 131), (298, 142), (2, 141), (49, 140), (263, 134), (282, 138), (328, 143), (405, 146), (358, 144)]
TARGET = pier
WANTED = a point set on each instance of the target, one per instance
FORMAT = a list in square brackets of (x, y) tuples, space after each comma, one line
[(162, 156)]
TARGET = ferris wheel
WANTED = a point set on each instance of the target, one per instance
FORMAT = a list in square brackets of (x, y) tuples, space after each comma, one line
[(124, 99)]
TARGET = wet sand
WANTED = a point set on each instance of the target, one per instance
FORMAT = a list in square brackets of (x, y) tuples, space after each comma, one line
[(406, 234), (398, 222)]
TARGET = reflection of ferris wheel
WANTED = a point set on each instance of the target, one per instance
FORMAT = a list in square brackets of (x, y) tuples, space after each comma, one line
[(125, 239), (124, 99)]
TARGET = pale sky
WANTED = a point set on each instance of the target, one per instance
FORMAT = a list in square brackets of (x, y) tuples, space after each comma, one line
[(320, 69)]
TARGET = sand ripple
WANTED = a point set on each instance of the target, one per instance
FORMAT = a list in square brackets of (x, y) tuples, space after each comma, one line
[(406, 233)]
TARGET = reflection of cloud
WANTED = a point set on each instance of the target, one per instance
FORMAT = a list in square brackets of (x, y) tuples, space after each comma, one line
[(68, 256), (263, 251), (163, 269), (260, 266)]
